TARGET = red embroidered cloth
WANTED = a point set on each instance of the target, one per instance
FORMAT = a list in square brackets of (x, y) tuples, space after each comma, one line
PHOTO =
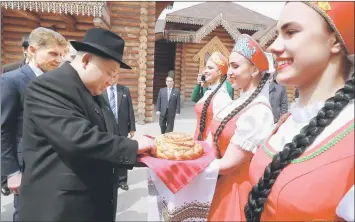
[(177, 174)]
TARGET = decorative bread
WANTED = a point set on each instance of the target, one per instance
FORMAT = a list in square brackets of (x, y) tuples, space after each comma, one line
[(177, 146)]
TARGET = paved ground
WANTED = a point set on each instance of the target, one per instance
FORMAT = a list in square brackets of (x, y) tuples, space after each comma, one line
[(132, 204)]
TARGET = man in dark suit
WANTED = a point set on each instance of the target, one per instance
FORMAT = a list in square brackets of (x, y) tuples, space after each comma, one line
[(278, 99), (119, 98), (13, 85), (168, 106), (70, 145), (15, 65), (7, 68)]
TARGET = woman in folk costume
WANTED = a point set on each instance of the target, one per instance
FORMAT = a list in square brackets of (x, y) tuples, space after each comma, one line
[(305, 170), (238, 128), (215, 98)]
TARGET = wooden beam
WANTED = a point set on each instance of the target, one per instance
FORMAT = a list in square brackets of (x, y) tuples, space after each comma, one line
[(104, 21), (29, 15), (99, 22), (69, 21), (106, 16)]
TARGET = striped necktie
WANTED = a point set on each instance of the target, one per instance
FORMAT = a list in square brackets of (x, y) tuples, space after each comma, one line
[(113, 101)]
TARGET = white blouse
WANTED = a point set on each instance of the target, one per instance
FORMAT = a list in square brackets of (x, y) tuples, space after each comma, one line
[(254, 124), (220, 99), (300, 116)]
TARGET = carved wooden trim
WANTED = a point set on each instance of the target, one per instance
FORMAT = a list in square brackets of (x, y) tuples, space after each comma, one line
[(212, 25), (214, 45), (58, 7)]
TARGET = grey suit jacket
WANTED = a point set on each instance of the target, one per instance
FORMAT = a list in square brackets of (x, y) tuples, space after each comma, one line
[(173, 104), (278, 100)]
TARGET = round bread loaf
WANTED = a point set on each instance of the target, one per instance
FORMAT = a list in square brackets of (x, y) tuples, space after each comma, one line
[(177, 146)]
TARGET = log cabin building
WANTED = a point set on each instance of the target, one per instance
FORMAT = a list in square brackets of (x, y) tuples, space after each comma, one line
[(134, 21), (186, 38), (181, 44)]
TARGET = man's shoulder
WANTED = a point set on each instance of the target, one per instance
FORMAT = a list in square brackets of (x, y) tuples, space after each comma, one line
[(11, 66), (13, 74)]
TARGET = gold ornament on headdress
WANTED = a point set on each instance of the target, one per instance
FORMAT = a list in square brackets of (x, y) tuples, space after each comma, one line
[(325, 6), (215, 57)]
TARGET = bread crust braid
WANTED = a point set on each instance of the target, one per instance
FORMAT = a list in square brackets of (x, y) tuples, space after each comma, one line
[(177, 146)]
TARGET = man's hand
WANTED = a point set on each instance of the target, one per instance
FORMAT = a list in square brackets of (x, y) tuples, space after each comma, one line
[(131, 133), (145, 144), (158, 113), (14, 182)]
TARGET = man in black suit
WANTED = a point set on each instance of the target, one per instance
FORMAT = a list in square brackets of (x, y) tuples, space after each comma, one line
[(168, 106), (278, 99), (47, 47), (71, 148), (119, 98), (15, 65)]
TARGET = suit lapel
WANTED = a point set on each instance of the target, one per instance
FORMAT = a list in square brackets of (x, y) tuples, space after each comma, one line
[(119, 97), (272, 86), (107, 115), (105, 95)]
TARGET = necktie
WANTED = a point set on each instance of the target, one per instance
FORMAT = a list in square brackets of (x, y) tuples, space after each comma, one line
[(169, 92), (113, 101)]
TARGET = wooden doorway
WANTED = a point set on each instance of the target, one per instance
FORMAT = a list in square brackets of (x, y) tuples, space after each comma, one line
[(164, 61)]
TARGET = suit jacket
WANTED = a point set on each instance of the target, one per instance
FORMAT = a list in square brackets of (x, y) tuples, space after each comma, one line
[(278, 100), (13, 66), (173, 104), (70, 150), (125, 113), (13, 85)]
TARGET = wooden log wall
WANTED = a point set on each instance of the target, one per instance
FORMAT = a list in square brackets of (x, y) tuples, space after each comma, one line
[(190, 69), (178, 58), (135, 23), (14, 26)]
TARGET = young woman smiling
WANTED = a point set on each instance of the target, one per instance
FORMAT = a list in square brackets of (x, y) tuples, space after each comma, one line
[(305, 170), (215, 98), (239, 127)]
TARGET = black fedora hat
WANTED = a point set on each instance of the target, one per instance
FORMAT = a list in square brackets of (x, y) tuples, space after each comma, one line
[(102, 42)]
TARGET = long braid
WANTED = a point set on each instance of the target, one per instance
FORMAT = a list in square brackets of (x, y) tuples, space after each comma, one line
[(205, 107), (237, 110), (333, 106)]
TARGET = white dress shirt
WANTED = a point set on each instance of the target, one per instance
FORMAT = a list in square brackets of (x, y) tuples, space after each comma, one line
[(35, 69)]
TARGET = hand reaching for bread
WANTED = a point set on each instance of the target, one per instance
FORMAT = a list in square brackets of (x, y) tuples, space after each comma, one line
[(145, 145)]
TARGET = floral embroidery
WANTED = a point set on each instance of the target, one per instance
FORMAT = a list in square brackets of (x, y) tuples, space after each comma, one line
[(242, 46), (188, 212)]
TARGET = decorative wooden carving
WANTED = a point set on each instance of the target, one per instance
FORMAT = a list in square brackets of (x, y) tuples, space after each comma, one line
[(214, 45), (212, 25), (142, 60), (76, 7), (104, 21)]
